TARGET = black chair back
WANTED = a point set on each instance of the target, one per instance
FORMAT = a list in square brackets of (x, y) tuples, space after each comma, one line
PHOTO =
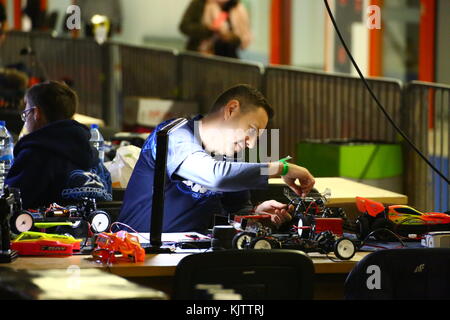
[(254, 274), (395, 274)]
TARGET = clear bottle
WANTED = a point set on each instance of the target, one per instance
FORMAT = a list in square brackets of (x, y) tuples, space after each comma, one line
[(6, 153), (98, 142)]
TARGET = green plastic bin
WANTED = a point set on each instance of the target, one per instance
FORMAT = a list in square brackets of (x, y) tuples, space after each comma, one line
[(357, 160)]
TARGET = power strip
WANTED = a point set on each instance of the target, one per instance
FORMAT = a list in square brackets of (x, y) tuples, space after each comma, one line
[(438, 239)]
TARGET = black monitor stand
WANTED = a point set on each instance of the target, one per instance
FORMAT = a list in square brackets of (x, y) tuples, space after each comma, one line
[(9, 204), (159, 182)]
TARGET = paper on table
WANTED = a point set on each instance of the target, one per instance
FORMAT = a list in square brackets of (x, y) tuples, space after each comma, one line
[(144, 237)]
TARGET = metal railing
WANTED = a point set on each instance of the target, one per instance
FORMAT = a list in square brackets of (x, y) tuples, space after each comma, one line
[(79, 62), (203, 78), (149, 72), (324, 106), (426, 110)]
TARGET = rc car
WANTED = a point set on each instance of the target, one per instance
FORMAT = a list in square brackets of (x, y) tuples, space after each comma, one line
[(311, 229), (108, 244), (313, 206), (314, 203), (402, 220), (56, 215)]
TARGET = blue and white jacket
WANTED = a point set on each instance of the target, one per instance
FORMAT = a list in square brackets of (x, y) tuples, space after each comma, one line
[(198, 186)]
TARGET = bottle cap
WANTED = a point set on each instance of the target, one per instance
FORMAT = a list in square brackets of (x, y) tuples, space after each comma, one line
[(94, 126), (2, 123)]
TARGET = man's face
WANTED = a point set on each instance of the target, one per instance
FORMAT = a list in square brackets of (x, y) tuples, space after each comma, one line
[(240, 130), (28, 114)]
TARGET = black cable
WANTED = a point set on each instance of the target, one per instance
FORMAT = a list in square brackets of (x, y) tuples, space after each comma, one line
[(383, 110), (331, 258), (363, 243)]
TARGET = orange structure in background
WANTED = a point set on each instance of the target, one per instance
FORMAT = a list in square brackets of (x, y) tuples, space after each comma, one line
[(427, 50), (376, 47), (280, 31), (427, 41), (17, 10)]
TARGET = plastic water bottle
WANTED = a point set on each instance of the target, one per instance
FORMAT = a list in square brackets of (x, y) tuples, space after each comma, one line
[(6, 153), (98, 142)]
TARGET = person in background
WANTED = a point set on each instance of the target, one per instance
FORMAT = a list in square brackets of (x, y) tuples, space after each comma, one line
[(218, 27), (55, 162), (35, 13), (3, 23), (13, 84)]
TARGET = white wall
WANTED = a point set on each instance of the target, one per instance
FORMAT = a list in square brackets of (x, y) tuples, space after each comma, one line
[(10, 12), (308, 38), (259, 12), (154, 19)]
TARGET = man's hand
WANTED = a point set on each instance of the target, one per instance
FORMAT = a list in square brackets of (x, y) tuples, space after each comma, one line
[(294, 173), (304, 177), (279, 212)]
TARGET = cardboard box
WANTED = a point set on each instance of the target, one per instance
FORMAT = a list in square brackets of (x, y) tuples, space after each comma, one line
[(150, 112)]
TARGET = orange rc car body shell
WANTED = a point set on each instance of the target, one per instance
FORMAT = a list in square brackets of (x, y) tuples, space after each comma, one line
[(401, 214), (123, 242)]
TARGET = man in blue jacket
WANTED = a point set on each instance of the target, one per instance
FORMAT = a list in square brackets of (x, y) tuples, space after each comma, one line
[(55, 161), (201, 179)]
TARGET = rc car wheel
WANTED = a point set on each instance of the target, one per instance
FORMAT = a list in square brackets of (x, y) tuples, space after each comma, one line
[(344, 249), (264, 243), (99, 221), (304, 221), (242, 240), (21, 222)]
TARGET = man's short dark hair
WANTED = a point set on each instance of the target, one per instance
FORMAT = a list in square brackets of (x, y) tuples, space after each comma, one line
[(56, 99), (248, 97)]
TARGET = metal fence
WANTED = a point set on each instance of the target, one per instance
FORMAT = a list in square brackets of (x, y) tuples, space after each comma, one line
[(426, 109), (203, 78), (79, 62), (324, 106), (149, 72), (11, 49)]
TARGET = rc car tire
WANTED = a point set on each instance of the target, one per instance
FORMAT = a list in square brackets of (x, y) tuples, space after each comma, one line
[(242, 240), (305, 221), (264, 243), (99, 221), (344, 249), (21, 222)]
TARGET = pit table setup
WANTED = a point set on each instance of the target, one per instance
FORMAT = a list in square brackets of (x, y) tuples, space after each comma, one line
[(157, 269)]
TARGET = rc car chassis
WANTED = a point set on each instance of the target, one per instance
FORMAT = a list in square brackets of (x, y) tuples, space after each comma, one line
[(314, 228)]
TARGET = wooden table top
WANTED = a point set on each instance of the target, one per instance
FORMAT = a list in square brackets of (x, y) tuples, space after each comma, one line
[(73, 283), (160, 265), (345, 190)]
